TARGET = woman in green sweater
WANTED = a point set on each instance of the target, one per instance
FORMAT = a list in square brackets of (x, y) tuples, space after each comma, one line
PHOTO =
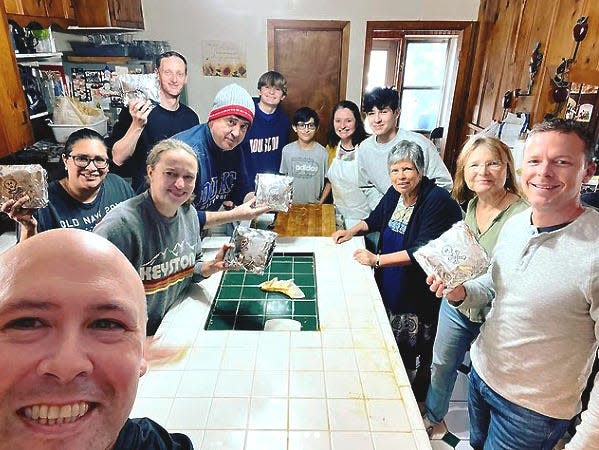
[(485, 180)]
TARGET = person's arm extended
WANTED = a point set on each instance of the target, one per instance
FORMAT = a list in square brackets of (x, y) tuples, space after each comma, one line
[(245, 211), (326, 190), (124, 147), (368, 258), (345, 235)]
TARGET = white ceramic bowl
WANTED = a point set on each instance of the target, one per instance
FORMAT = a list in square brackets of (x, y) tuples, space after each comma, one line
[(62, 132)]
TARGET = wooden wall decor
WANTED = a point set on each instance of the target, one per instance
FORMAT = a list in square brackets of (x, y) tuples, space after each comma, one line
[(508, 29)]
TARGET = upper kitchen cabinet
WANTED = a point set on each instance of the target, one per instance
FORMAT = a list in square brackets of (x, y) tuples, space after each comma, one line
[(61, 8), (45, 12), (109, 13), (15, 128)]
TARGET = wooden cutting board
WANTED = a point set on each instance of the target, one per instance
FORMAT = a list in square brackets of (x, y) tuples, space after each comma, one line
[(306, 220)]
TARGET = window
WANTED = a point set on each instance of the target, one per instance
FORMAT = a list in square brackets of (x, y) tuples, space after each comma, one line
[(430, 63), (424, 73)]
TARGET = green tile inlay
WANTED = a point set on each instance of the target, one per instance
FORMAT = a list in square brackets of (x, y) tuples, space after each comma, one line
[(221, 323), (304, 308), (251, 308), (226, 307), (279, 307), (229, 292), (241, 305), (308, 323), (281, 267), (252, 293), (252, 279), (233, 278), (310, 293), (249, 323), (304, 280)]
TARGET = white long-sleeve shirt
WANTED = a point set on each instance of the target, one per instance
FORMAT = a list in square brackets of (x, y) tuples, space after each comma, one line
[(540, 339), (373, 169)]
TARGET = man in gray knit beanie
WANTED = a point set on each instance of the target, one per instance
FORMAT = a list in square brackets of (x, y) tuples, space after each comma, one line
[(222, 174)]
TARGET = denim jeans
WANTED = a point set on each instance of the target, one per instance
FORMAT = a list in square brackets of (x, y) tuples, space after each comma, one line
[(498, 424), (455, 333)]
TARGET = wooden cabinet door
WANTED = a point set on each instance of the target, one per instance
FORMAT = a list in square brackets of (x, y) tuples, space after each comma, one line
[(15, 127), (13, 6), (109, 13), (34, 7), (126, 13), (319, 84), (60, 8)]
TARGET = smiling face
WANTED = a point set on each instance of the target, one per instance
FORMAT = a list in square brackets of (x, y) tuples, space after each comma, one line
[(90, 177), (484, 171), (172, 180), (73, 339), (553, 169), (305, 131), (172, 76), (383, 123), (270, 97), (344, 123), (405, 178), (228, 132)]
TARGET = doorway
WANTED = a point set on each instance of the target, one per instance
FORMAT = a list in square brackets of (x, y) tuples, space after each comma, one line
[(430, 65), (313, 56)]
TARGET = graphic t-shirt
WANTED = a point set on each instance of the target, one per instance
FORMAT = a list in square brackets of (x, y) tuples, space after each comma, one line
[(165, 251), (63, 211), (307, 167)]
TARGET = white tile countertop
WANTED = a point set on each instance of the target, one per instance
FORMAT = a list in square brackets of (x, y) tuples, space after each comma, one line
[(343, 387)]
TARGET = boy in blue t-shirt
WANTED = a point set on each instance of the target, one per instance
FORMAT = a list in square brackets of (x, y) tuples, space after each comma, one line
[(269, 132), (305, 159)]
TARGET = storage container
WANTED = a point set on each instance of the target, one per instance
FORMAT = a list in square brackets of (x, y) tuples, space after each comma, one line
[(62, 132)]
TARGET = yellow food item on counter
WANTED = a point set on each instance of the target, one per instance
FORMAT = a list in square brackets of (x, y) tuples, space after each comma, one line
[(287, 287)]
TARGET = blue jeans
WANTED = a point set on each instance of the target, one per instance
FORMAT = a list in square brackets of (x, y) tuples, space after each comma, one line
[(498, 424), (455, 333)]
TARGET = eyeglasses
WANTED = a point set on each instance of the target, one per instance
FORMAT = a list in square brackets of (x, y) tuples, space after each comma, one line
[(305, 126), (491, 165), (84, 160)]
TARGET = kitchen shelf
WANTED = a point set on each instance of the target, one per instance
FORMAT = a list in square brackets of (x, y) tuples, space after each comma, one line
[(36, 56), (37, 116)]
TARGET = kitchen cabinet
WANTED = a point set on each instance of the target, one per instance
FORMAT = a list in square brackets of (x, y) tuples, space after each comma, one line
[(60, 8), (45, 12), (15, 127), (109, 13)]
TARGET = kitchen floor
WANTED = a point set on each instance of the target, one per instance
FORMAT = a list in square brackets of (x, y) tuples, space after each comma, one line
[(456, 419)]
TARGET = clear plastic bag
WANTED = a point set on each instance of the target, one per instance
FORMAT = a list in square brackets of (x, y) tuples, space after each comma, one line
[(455, 256), (275, 191), (253, 249), (144, 86), (29, 179)]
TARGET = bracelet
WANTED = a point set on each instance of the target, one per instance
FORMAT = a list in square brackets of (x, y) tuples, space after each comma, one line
[(377, 263)]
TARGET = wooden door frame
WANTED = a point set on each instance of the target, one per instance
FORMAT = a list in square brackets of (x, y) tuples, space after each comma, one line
[(316, 25), (466, 32)]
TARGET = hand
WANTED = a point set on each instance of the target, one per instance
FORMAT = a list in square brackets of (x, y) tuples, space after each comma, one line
[(340, 236), (14, 209), (365, 257), (140, 110), (218, 264), (249, 210), (458, 294)]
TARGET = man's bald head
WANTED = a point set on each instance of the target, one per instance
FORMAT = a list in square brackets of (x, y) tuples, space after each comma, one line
[(72, 327), (70, 253)]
